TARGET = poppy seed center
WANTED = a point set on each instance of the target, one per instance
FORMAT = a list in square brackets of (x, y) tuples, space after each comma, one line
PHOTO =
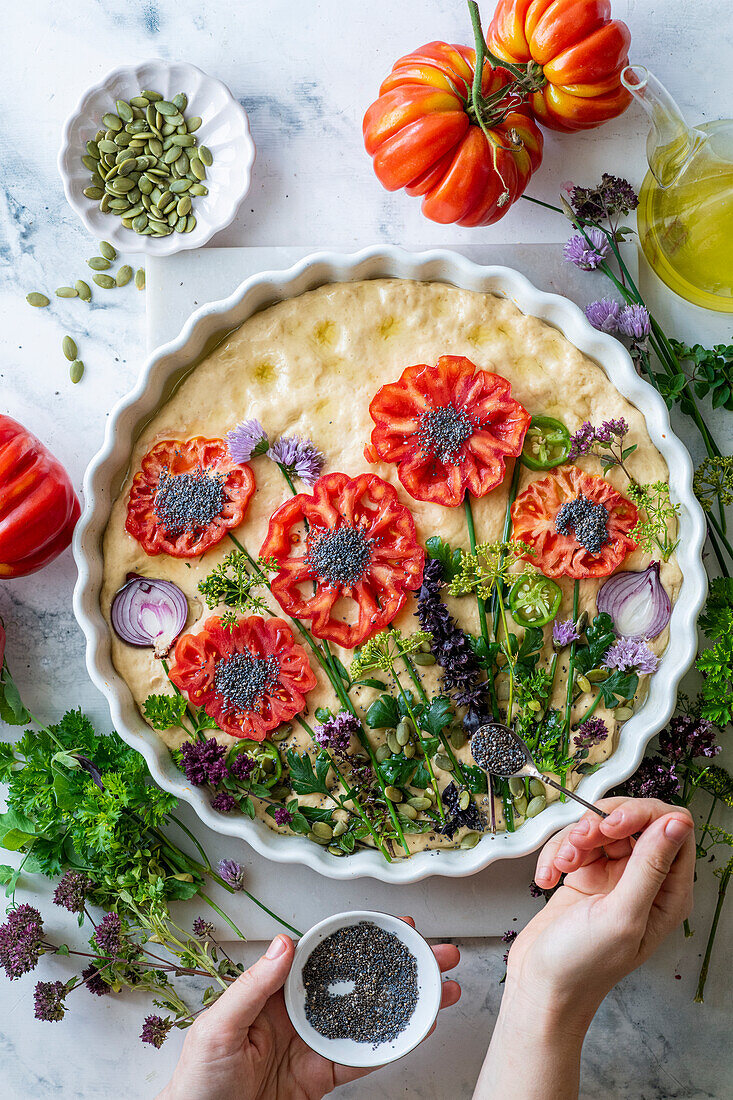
[(243, 680), (341, 556), (185, 502), (588, 520), (443, 431)]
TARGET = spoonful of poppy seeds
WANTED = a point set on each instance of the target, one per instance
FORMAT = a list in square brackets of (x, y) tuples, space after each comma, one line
[(502, 752)]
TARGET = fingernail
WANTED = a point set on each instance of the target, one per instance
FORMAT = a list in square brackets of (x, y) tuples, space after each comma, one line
[(566, 851), (582, 827), (278, 947), (677, 829), (542, 874), (616, 817)]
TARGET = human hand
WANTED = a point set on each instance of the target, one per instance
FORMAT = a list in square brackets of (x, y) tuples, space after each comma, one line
[(245, 1048), (620, 898)]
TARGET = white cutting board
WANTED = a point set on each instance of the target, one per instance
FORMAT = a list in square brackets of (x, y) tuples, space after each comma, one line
[(485, 904)]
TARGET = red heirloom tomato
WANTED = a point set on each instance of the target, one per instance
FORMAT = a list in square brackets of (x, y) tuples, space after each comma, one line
[(249, 677), (580, 50), (594, 522), (186, 496), (448, 428), (424, 135), (38, 506), (358, 556)]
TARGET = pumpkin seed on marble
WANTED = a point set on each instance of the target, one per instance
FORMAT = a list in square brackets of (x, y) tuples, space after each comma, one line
[(107, 250), (105, 281), (76, 370), (35, 298), (67, 292), (98, 263), (123, 276), (69, 348)]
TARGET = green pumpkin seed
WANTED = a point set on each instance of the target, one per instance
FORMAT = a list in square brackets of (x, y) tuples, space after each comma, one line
[(140, 222), (419, 803), (123, 275), (393, 743), (340, 828), (133, 212), (165, 107), (69, 348), (107, 250), (404, 725), (598, 675), (105, 281), (536, 806), (393, 794), (98, 263), (423, 659), (184, 205), (537, 787), (318, 839), (182, 140), (402, 735), (93, 193), (516, 787), (199, 189), (179, 186), (124, 110), (93, 151), (190, 223), (140, 101), (76, 370), (323, 829), (123, 184), (581, 622), (83, 290), (464, 800), (458, 737), (66, 292), (104, 204), (443, 762), (112, 122), (193, 123), (145, 185), (520, 805), (335, 850), (583, 683), (470, 840), (408, 812), (127, 222), (206, 155), (622, 714), (35, 298), (409, 751), (176, 121), (382, 753), (197, 167), (152, 97), (180, 101), (90, 162)]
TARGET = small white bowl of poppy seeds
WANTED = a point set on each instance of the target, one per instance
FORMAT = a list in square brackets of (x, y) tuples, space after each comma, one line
[(364, 988), (157, 157)]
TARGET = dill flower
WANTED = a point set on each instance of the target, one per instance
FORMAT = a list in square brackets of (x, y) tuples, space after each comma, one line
[(48, 998), (298, 457), (246, 441), (21, 941), (586, 254), (232, 873), (335, 733), (714, 481), (155, 1030), (631, 654), (603, 314), (72, 890)]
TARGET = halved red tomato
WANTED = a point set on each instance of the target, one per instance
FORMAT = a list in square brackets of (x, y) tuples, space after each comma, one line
[(346, 556), (577, 524), (249, 677), (448, 428), (186, 496)]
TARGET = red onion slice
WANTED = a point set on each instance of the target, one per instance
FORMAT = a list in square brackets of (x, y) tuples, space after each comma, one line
[(638, 603), (149, 612)]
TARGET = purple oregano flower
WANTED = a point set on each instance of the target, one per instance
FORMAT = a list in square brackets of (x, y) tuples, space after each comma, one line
[(634, 321), (108, 935), (298, 457), (224, 802), (564, 632), (246, 441), (49, 1001), (687, 735), (155, 1030), (587, 256), (631, 654), (94, 982), (603, 314), (21, 941), (335, 733), (203, 761), (654, 778), (591, 732), (204, 929), (283, 816), (72, 891), (242, 766)]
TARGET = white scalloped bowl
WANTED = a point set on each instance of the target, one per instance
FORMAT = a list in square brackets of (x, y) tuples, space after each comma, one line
[(164, 369), (224, 130)]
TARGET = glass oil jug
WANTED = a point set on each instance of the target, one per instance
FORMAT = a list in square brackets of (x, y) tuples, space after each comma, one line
[(685, 213)]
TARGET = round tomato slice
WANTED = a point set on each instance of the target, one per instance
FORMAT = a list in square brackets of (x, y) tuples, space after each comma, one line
[(249, 677), (577, 524), (186, 496), (448, 428), (346, 556)]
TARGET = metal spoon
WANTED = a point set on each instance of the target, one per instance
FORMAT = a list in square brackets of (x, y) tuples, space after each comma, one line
[(528, 769)]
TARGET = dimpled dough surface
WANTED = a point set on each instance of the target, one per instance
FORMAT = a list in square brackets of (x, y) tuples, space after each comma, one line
[(310, 366)]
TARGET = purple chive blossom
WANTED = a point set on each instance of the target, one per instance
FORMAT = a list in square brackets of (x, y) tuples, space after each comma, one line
[(509, 938), (587, 256), (283, 816), (49, 1001), (242, 766), (72, 891), (634, 321), (204, 929), (335, 733), (654, 778), (94, 982), (21, 941), (564, 632), (203, 762), (232, 873), (630, 654), (155, 1030), (591, 732), (686, 736), (108, 935), (246, 441), (224, 802), (298, 457), (603, 314)]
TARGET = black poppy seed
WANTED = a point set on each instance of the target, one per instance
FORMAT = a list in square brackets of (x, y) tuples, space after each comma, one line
[(588, 520), (382, 973), (495, 750), (185, 502), (243, 679), (339, 557), (443, 431)]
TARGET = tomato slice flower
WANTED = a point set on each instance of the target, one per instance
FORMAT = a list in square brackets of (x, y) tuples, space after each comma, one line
[(249, 677), (577, 524), (448, 428), (346, 556), (186, 496)]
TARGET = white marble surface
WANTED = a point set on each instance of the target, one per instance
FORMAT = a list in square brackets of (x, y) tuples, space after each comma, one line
[(305, 73)]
